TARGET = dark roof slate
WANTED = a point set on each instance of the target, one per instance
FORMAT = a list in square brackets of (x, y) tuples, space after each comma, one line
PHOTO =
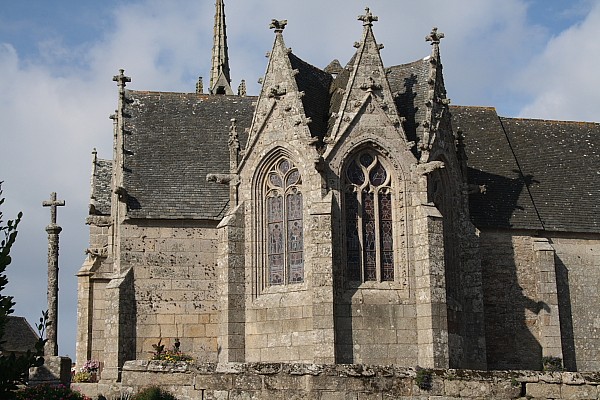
[(506, 202), (101, 183), (562, 162), (408, 83), (19, 336), (315, 84), (172, 141), (539, 174)]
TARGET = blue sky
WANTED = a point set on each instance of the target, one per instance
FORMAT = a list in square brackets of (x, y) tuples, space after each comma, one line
[(528, 58)]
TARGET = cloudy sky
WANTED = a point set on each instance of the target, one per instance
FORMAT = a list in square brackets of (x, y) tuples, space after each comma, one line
[(528, 58)]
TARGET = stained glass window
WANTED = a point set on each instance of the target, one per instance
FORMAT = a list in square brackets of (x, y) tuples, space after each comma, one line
[(369, 220), (285, 235)]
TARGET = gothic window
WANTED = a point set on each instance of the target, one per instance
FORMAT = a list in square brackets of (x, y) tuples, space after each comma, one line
[(368, 219), (285, 238)]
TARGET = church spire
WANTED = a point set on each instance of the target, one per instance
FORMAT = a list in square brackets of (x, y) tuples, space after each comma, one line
[(220, 81)]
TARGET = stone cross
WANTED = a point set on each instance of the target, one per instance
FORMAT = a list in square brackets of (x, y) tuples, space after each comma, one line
[(121, 80), (434, 37), (51, 348), (368, 18)]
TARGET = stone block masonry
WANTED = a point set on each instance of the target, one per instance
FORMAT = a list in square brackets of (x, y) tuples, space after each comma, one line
[(345, 382)]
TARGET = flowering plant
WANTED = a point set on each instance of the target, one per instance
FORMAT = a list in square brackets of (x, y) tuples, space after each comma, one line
[(173, 355), (91, 366)]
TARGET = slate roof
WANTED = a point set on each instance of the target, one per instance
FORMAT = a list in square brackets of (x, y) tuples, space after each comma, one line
[(408, 83), (172, 141), (19, 336), (539, 174), (315, 85), (101, 177)]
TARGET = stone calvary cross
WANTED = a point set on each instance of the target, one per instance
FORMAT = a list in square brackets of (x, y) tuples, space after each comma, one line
[(51, 348)]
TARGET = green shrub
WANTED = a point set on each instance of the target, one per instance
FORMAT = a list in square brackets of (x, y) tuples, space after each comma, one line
[(153, 393), (552, 364), (50, 392), (424, 378)]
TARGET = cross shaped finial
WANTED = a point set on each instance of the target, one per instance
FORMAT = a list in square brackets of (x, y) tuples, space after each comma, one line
[(53, 203), (121, 79), (368, 18), (278, 25), (434, 37)]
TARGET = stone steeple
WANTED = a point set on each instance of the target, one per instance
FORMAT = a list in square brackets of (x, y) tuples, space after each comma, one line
[(220, 81)]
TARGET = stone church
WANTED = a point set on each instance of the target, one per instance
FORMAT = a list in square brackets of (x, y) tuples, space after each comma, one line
[(344, 215)]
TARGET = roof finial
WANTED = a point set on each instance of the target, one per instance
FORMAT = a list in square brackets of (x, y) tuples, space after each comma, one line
[(434, 37), (278, 25), (121, 80), (199, 86), (368, 18)]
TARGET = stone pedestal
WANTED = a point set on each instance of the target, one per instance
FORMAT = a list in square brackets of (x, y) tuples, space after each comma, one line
[(56, 370)]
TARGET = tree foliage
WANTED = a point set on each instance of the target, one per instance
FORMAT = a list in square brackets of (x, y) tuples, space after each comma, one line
[(14, 370)]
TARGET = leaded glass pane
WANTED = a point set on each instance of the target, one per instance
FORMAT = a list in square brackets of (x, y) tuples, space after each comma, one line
[(284, 166), (275, 239), (275, 209), (355, 174), (295, 238), (378, 175), (369, 236), (366, 159), (386, 237), (352, 239), (292, 178), (275, 180)]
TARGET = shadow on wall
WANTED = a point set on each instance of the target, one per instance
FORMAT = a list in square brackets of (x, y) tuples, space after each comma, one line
[(566, 315), (509, 283)]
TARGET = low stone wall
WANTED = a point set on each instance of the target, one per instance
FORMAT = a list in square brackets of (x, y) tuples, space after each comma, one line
[(344, 382)]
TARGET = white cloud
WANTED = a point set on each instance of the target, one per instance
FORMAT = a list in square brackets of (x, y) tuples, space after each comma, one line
[(54, 109), (563, 81)]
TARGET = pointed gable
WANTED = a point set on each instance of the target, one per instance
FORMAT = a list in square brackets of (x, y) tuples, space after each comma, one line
[(280, 111), (365, 80)]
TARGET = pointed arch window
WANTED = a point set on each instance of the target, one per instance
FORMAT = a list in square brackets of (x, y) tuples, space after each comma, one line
[(368, 218), (285, 236)]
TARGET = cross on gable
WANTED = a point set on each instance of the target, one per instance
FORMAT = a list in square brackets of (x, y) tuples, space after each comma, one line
[(53, 203), (278, 25), (434, 37), (368, 18), (121, 79)]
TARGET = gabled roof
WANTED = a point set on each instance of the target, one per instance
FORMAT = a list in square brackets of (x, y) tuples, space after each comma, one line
[(315, 84), (172, 141), (19, 336), (409, 85), (101, 179), (562, 161), (539, 174)]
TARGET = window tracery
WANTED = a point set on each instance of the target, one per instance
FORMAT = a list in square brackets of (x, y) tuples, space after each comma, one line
[(285, 236), (368, 215)]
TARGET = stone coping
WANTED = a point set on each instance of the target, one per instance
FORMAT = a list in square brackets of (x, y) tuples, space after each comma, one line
[(360, 370)]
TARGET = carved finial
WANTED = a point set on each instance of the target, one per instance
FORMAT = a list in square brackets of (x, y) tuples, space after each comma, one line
[(368, 18), (278, 25), (121, 80), (233, 135), (434, 37), (199, 86), (242, 88)]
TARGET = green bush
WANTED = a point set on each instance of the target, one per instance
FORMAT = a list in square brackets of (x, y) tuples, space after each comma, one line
[(153, 393), (50, 392)]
